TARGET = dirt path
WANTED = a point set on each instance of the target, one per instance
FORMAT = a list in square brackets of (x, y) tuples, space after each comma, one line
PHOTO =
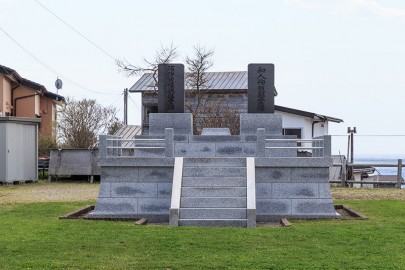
[(77, 191)]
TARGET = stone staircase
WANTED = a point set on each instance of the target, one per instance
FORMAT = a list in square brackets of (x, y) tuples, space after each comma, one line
[(213, 192)]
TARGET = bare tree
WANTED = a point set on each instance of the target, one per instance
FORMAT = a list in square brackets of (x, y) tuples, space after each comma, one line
[(80, 122), (197, 82), (218, 114), (166, 54)]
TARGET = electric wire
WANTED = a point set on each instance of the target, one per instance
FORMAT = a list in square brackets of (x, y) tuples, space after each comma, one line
[(50, 68), (76, 31)]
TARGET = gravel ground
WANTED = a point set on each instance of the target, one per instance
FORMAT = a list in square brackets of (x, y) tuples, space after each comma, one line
[(82, 191), (49, 192)]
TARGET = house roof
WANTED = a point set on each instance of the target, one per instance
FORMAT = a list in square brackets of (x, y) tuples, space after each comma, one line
[(227, 81), (234, 81), (23, 81)]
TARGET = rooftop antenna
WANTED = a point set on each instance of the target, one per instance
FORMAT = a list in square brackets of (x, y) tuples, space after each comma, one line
[(58, 84)]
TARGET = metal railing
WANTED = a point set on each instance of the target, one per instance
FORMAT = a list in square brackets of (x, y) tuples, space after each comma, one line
[(113, 145), (319, 146)]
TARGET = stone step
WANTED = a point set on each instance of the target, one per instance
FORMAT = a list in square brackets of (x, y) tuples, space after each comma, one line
[(213, 192), (212, 213), (213, 202), (214, 181), (214, 171), (213, 222), (214, 162)]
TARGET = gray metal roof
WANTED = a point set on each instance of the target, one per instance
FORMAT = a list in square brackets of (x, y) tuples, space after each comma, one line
[(216, 81)]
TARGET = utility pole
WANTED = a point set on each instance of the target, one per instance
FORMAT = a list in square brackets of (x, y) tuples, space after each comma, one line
[(126, 106), (351, 131)]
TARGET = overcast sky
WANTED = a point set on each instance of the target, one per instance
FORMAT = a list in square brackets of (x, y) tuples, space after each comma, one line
[(342, 58)]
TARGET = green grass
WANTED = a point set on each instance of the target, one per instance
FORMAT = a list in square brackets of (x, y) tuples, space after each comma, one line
[(32, 237)]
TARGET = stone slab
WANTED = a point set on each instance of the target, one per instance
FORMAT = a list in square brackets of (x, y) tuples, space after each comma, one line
[(215, 131), (209, 162), (324, 191), (214, 171), (164, 190), (313, 207), (213, 192), (273, 206), (182, 123), (213, 222), (115, 206), (150, 152), (261, 88), (293, 162), (212, 138), (153, 205), (171, 94), (263, 190), (119, 174), (214, 182), (156, 174), (194, 150), (135, 162), (104, 190), (134, 190), (273, 175), (228, 149), (198, 202), (310, 175), (295, 190), (213, 213)]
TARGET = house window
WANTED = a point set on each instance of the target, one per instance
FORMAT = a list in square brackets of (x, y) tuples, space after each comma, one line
[(149, 109), (293, 131)]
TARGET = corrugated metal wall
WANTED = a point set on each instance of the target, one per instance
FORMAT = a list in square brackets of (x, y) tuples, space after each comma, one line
[(18, 151)]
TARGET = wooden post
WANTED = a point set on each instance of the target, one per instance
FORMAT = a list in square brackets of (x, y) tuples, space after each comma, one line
[(399, 173), (344, 173)]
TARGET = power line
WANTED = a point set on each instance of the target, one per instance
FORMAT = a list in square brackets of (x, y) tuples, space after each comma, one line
[(50, 68), (76, 31)]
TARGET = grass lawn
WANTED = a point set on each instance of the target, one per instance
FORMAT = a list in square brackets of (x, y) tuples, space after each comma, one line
[(32, 237)]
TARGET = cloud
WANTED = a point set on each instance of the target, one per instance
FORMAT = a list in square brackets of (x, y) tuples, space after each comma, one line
[(349, 7)]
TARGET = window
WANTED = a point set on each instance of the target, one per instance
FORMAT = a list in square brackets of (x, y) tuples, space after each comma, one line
[(293, 131)]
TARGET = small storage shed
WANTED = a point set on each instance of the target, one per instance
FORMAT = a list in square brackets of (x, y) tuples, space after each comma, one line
[(18, 149)]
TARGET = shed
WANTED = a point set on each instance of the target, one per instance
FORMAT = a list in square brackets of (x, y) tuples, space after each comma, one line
[(18, 149)]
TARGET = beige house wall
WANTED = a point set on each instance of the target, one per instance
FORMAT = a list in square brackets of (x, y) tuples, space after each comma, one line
[(5, 95), (24, 101), (47, 113)]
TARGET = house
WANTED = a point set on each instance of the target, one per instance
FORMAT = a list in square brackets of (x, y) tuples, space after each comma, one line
[(232, 88), (20, 97)]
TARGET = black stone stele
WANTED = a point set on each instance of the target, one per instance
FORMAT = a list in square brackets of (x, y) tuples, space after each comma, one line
[(171, 88), (260, 88)]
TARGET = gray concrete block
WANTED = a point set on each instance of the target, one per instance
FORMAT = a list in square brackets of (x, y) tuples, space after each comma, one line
[(135, 162), (313, 207), (214, 171), (174, 216), (214, 182), (119, 174), (251, 218), (156, 174), (213, 213), (158, 153), (115, 206), (295, 190), (249, 149), (215, 132), (105, 189), (213, 222), (153, 205), (249, 123), (164, 190), (182, 123), (273, 206), (212, 138), (324, 191), (263, 190), (272, 175), (310, 175), (215, 162), (194, 150), (293, 162), (213, 192), (197, 202), (134, 190), (228, 150)]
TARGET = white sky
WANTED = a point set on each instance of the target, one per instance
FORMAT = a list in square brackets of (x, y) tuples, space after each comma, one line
[(342, 58)]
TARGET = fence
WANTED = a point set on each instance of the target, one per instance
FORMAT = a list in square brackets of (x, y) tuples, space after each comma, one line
[(114, 145), (346, 167)]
